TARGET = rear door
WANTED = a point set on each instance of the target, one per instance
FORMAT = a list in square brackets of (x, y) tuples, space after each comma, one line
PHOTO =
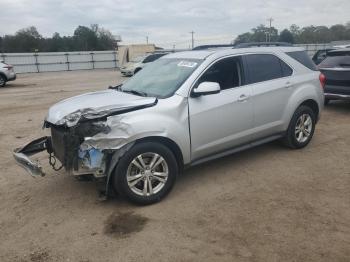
[(272, 86), (221, 121)]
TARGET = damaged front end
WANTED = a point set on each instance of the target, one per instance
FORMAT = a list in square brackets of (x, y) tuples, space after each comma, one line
[(22, 155), (64, 145), (71, 126)]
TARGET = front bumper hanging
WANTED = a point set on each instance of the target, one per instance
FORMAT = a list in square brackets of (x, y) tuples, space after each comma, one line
[(22, 155)]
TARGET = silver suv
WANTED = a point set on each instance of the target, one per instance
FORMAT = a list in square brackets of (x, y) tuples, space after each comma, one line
[(6, 73), (182, 110)]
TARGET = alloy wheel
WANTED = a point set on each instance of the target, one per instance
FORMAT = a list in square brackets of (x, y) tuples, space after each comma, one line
[(147, 174), (303, 128)]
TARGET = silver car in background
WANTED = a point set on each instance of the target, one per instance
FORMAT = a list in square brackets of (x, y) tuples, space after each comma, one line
[(6, 73), (182, 110)]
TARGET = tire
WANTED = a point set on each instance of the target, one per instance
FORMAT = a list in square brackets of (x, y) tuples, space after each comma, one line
[(293, 138), (326, 101), (131, 176), (2, 81)]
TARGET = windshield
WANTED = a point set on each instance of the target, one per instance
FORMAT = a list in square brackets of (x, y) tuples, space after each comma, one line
[(161, 78)]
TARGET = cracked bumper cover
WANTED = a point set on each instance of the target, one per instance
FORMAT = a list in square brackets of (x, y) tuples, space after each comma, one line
[(22, 155)]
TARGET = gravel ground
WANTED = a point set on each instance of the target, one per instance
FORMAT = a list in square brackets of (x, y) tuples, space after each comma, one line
[(265, 204)]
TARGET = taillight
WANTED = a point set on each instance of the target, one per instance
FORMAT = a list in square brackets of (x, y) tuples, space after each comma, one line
[(322, 80), (9, 67)]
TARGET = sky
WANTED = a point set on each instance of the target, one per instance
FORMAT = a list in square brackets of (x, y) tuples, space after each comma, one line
[(168, 23)]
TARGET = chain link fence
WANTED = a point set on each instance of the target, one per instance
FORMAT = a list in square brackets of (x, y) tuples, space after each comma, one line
[(69, 61), (60, 61), (311, 49)]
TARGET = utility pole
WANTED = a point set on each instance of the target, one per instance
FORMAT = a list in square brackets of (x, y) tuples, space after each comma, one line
[(192, 33), (270, 30), (147, 40)]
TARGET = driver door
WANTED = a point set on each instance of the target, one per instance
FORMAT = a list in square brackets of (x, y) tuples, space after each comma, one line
[(219, 122)]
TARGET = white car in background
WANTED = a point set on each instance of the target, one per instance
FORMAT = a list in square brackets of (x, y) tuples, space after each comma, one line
[(6, 73), (137, 63)]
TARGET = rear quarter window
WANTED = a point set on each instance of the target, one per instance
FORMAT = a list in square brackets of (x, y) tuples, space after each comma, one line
[(303, 58), (265, 67)]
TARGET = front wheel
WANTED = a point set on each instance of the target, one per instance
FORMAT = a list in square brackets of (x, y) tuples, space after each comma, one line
[(146, 173), (301, 128)]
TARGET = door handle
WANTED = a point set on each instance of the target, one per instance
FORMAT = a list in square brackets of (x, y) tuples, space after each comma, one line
[(243, 98)]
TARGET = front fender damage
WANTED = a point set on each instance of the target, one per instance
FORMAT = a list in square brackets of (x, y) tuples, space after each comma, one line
[(92, 142)]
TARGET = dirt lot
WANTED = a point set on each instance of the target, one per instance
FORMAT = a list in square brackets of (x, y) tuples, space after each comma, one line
[(265, 204)]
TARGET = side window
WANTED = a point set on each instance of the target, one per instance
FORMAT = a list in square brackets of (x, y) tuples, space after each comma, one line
[(303, 58), (227, 72), (286, 70), (265, 67)]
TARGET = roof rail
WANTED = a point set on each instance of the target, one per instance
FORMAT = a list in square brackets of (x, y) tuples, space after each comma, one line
[(204, 47), (261, 44)]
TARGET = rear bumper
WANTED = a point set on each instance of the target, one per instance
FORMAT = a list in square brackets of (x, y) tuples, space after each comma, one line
[(22, 155), (337, 91), (12, 77), (336, 96)]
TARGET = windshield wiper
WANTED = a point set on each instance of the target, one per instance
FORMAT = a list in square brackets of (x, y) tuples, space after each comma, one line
[(138, 93)]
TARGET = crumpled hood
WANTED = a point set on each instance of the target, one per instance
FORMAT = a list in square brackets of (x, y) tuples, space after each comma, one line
[(95, 105)]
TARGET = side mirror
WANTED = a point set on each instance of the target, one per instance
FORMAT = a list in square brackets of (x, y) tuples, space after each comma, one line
[(206, 88)]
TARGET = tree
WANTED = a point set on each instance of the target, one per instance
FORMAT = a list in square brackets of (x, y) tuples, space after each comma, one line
[(1, 45), (243, 38), (286, 36), (106, 40), (85, 39), (339, 32), (25, 40), (263, 34), (260, 33)]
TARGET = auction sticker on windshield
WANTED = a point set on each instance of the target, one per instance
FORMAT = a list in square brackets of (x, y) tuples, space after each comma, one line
[(187, 64)]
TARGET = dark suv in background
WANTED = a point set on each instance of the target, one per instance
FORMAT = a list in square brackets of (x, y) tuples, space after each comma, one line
[(336, 69)]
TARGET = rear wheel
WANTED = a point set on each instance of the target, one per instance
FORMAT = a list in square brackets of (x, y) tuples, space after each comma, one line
[(301, 128), (146, 173), (2, 81), (326, 101)]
